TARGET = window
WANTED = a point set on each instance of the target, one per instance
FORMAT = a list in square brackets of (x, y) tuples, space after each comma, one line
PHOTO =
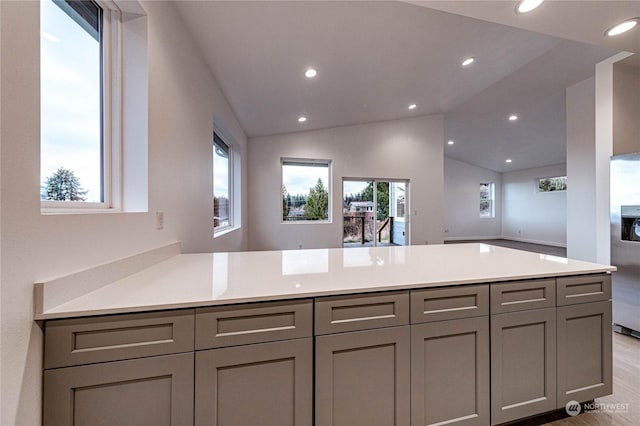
[(305, 190), (487, 197), (222, 184), (550, 184), (74, 161)]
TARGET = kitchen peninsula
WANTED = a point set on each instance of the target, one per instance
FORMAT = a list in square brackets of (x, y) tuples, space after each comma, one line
[(467, 334)]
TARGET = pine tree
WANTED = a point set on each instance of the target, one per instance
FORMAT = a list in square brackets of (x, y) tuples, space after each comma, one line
[(317, 206), (63, 185), (286, 202)]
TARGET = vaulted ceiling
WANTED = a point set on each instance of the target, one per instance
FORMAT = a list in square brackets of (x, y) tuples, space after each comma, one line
[(375, 58)]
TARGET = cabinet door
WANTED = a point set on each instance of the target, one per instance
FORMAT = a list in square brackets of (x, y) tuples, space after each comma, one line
[(363, 378), (450, 372), (584, 352), (152, 391), (267, 384), (523, 364)]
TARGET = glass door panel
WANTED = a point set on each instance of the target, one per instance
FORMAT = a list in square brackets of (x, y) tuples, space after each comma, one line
[(358, 209), (374, 213)]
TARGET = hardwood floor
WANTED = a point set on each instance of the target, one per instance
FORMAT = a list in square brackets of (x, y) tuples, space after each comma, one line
[(622, 408), (536, 248)]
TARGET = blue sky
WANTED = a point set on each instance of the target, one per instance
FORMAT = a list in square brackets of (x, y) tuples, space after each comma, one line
[(70, 99)]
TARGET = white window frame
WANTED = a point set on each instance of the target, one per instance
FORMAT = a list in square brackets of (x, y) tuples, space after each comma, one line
[(492, 199), (311, 162), (230, 177), (111, 119)]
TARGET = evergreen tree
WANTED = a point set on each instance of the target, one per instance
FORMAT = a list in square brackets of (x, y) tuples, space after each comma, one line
[(317, 206), (286, 202), (382, 192), (63, 185)]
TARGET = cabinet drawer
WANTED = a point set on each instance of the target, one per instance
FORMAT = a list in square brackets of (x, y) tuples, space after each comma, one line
[(589, 288), (350, 313), (222, 326), (522, 295), (110, 338), (449, 303)]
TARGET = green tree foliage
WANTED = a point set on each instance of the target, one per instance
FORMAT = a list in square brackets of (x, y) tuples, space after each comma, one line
[(63, 185), (286, 202), (552, 184), (382, 191), (317, 206)]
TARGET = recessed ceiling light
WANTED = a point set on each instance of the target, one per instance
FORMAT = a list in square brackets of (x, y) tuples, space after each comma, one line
[(508, 160), (310, 72), (513, 117), (622, 27), (525, 6), (412, 106), (450, 143), (468, 61), (302, 119)]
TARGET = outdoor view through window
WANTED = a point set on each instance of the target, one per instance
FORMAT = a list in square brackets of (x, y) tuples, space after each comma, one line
[(221, 184), (305, 193), (71, 164)]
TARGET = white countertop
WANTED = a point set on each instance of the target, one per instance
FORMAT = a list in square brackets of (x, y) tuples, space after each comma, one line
[(189, 280)]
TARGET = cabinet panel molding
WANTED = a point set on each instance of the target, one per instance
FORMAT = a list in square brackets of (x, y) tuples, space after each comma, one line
[(523, 364), (267, 384), (117, 337), (583, 289), (522, 295), (363, 377), (148, 391), (337, 314), (450, 372), (223, 326), (585, 367), (449, 303)]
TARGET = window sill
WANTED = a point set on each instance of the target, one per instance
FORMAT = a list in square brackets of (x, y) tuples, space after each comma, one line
[(51, 211), (306, 222), (224, 231)]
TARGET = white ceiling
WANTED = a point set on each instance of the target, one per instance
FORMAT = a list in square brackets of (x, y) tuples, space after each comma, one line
[(375, 58)]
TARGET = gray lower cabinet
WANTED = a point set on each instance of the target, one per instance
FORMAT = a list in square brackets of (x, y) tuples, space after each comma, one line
[(450, 372), (266, 384), (154, 391), (584, 352), (363, 378), (523, 364)]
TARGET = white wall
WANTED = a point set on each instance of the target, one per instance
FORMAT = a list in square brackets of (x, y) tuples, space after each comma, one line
[(530, 216), (462, 219), (398, 149), (183, 100), (581, 140)]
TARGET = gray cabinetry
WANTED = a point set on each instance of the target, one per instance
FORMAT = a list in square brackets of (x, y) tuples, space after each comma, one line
[(268, 384), (362, 378), (257, 368), (450, 372), (155, 391), (523, 364), (584, 352), (363, 375)]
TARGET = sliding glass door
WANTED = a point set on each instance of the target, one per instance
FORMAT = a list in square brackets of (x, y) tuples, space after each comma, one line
[(374, 212)]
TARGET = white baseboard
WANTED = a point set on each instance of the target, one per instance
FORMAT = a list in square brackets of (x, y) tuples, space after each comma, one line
[(473, 238)]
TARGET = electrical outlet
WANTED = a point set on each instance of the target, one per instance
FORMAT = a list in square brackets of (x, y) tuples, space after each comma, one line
[(159, 220)]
